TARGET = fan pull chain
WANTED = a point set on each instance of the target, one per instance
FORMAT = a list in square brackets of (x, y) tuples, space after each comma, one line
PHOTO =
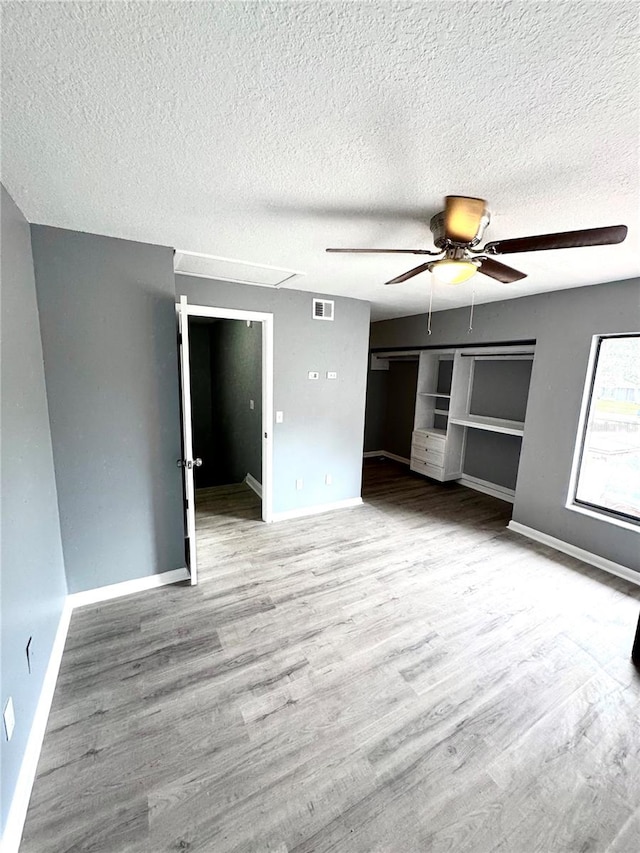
[(430, 304), (473, 299)]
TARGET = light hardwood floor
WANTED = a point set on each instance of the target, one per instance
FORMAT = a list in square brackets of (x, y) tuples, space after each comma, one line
[(402, 676)]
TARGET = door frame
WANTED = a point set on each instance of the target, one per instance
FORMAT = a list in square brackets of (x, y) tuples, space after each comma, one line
[(267, 388)]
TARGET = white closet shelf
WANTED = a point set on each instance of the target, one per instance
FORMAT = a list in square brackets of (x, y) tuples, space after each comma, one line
[(490, 424)]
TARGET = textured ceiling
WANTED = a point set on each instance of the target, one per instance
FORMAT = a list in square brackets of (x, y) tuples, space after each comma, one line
[(267, 131)]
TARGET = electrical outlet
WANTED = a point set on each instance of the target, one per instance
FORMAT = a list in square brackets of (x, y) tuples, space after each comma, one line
[(279, 417), (9, 719), (331, 374), (313, 374), (299, 484), (328, 479), (252, 405)]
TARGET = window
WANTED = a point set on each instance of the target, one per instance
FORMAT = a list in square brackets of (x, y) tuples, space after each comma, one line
[(608, 475)]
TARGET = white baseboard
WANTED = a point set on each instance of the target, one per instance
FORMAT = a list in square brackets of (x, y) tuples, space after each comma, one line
[(573, 551), (26, 777), (376, 453), (316, 510), (251, 481), (487, 488), (115, 590)]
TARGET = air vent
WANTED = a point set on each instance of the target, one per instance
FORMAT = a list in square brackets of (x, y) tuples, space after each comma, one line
[(323, 309), (231, 269)]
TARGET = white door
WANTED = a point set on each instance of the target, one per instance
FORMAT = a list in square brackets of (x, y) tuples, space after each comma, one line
[(187, 462)]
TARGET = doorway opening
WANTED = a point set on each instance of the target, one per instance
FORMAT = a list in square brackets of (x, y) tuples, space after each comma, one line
[(226, 358)]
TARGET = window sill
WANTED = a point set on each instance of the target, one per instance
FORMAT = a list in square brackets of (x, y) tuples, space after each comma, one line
[(601, 516)]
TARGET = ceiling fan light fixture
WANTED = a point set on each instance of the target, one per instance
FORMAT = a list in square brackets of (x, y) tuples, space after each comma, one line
[(451, 271)]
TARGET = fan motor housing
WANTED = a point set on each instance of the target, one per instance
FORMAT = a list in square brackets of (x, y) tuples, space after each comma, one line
[(440, 238)]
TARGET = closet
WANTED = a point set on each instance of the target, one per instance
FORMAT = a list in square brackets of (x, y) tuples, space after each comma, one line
[(469, 416)]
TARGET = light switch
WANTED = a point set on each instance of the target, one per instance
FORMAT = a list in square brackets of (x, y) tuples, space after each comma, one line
[(252, 405), (279, 417), (331, 374), (299, 484), (313, 374)]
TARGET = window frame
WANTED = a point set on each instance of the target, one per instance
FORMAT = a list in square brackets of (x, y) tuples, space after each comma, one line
[(573, 503)]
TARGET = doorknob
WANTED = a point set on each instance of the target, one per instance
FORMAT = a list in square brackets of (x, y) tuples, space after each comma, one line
[(189, 463)]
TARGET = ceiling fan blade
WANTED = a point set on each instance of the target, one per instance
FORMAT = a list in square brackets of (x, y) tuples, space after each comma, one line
[(387, 251), (410, 274), (562, 240), (463, 217), (501, 272)]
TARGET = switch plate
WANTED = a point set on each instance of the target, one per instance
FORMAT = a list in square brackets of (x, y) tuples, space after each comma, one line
[(313, 374), (331, 374), (279, 417), (252, 405), (9, 718), (328, 479), (299, 484)]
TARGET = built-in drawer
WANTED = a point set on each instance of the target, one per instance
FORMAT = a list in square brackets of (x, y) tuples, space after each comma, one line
[(428, 441), (428, 470), (433, 457)]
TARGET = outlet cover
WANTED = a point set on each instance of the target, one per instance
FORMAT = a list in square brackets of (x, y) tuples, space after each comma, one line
[(331, 374), (279, 417), (9, 718), (299, 484), (328, 479), (313, 374)]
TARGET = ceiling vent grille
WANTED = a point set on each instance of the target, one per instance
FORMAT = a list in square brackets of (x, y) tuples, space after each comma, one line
[(323, 309)]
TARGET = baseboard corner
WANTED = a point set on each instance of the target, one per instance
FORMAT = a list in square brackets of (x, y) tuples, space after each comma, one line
[(254, 484), (117, 590)]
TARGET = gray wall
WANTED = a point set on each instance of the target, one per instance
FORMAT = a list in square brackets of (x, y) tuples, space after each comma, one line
[(375, 412), (493, 457), (401, 405), (563, 324), (323, 426), (226, 373), (236, 378), (107, 317), (501, 389), (390, 410), (32, 579)]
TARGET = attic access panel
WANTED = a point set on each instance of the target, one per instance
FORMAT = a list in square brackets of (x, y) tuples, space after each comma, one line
[(230, 269)]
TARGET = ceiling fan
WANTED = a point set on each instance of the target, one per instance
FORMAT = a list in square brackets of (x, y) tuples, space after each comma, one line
[(459, 228)]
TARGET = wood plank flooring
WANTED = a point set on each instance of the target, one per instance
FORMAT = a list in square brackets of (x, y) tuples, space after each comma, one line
[(403, 676)]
